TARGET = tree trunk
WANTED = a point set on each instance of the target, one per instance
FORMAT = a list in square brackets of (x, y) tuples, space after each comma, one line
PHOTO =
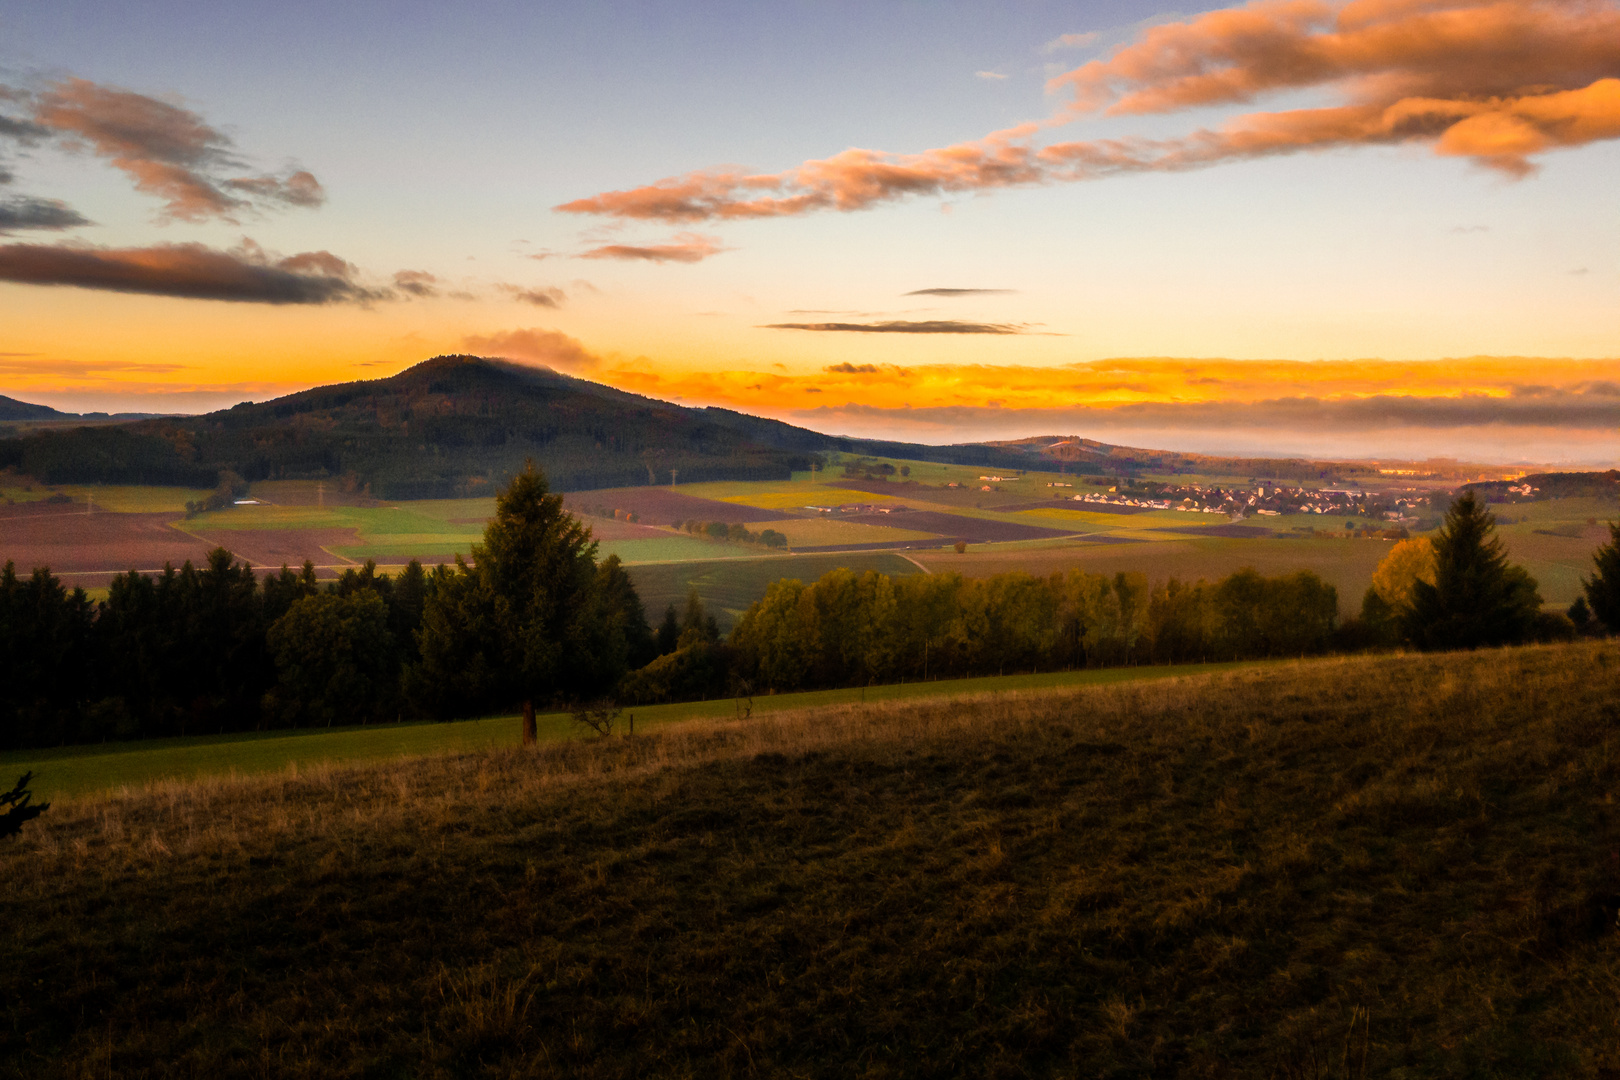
[(529, 733)]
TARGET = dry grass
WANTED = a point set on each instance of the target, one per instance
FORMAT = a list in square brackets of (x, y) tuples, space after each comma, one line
[(1375, 866)]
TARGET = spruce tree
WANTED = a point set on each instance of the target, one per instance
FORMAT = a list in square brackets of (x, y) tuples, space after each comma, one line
[(1478, 598), (1603, 587), (524, 622), (669, 632)]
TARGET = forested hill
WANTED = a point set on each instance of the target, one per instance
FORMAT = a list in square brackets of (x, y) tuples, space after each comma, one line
[(452, 425), (11, 410)]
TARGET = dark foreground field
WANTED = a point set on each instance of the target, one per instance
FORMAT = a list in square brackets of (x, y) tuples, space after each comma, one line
[(1372, 867)]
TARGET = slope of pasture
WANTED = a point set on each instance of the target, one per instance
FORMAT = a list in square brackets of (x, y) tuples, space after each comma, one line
[(1385, 866), (88, 771), (728, 587), (1555, 540)]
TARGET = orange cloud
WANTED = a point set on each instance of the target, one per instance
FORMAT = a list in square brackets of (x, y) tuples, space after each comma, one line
[(903, 326), (1498, 81), (168, 151), (549, 348), (686, 248), (1107, 384)]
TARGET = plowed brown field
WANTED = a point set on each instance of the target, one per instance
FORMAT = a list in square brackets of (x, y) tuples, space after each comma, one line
[(269, 549), (84, 544)]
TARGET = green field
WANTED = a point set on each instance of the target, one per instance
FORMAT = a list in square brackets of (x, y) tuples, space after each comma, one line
[(84, 771), (401, 519), (119, 499), (727, 587)]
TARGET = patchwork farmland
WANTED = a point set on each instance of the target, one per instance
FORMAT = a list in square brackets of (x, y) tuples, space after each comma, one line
[(86, 534)]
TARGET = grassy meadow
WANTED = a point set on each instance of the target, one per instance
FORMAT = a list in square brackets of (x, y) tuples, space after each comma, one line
[(728, 587), (76, 772), (1375, 866)]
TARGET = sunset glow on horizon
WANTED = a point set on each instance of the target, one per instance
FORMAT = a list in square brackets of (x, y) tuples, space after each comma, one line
[(1385, 228)]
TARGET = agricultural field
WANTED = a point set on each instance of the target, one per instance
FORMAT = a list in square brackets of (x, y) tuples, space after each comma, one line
[(95, 532), (125, 499), (831, 532), (87, 549)]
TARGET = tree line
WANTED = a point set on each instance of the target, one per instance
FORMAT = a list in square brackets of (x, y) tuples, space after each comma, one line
[(215, 648), (535, 619), (849, 629)]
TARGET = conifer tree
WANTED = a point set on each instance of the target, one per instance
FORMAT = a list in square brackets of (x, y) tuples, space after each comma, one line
[(1603, 587), (1477, 598), (525, 621), (669, 632)]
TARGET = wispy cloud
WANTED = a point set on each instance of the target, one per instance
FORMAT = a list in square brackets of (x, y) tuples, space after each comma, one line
[(244, 275), (549, 348), (1071, 41), (26, 212), (167, 150), (685, 248), (418, 283), (992, 76), (538, 296), (959, 292), (35, 366), (901, 326), (1495, 81)]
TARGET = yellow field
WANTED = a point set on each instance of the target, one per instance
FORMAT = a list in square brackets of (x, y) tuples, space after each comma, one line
[(781, 495), (1061, 517)]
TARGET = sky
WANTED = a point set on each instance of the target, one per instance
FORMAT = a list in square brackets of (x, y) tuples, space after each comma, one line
[(1381, 229)]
